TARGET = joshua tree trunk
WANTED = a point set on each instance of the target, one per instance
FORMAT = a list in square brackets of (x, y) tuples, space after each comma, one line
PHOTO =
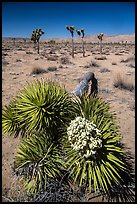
[(100, 46), (83, 47), (35, 45), (38, 46), (14, 41), (72, 48)]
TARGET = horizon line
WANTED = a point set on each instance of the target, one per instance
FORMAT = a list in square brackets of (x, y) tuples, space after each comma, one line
[(69, 37)]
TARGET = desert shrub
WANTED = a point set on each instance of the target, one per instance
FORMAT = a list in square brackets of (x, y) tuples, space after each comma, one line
[(123, 83), (114, 63), (87, 66), (28, 52), (18, 60), (51, 69), (128, 59), (4, 62), (52, 58), (52, 51), (38, 70), (60, 66), (104, 70), (118, 53), (64, 60), (94, 64), (132, 65), (101, 58)]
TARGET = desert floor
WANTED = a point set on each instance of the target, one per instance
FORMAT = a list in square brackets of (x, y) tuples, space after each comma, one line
[(19, 60)]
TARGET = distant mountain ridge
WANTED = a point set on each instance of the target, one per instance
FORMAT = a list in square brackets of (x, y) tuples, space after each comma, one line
[(88, 38)]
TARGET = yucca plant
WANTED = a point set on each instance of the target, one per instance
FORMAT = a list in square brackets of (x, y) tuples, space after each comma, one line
[(100, 37), (93, 154), (79, 136), (81, 32), (35, 36), (10, 124), (38, 160), (71, 29), (40, 105)]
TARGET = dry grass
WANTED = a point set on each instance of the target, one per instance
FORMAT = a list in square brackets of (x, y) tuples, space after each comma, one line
[(123, 82), (104, 70), (52, 58), (38, 70), (51, 69), (114, 63), (129, 59), (64, 60), (101, 58)]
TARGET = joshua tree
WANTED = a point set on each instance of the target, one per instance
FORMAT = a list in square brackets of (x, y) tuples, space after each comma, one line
[(71, 29), (100, 37), (14, 39), (25, 40), (35, 37), (79, 32)]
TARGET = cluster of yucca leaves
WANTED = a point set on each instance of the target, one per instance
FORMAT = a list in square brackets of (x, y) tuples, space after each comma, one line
[(39, 106), (104, 169), (41, 112)]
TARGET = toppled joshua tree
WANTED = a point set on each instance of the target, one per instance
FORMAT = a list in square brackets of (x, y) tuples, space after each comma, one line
[(35, 37), (100, 37), (79, 32), (71, 29)]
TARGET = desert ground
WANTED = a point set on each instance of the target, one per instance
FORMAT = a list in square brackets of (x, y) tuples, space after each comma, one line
[(20, 62)]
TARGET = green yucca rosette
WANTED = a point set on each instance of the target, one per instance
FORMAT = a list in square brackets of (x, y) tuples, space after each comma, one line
[(39, 106), (36, 161), (94, 156)]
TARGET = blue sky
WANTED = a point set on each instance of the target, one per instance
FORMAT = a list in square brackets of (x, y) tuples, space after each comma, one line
[(20, 18)]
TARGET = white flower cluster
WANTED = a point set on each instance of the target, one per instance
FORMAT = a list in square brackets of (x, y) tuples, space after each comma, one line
[(83, 135)]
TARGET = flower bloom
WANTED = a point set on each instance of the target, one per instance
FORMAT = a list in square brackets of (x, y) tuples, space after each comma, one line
[(84, 136)]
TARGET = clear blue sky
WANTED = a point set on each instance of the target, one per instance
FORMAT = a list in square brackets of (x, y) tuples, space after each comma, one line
[(20, 18)]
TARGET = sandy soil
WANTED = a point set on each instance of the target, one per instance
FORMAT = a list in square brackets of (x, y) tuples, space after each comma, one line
[(20, 59)]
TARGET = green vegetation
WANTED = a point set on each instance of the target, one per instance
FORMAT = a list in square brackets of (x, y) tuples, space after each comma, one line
[(39, 160), (35, 37), (40, 105), (65, 138)]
